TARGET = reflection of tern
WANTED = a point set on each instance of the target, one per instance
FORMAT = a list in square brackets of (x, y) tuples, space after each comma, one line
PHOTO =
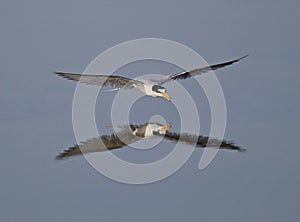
[(132, 133), (151, 87)]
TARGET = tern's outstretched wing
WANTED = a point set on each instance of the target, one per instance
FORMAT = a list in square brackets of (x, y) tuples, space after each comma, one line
[(201, 141), (107, 142), (195, 72), (101, 80)]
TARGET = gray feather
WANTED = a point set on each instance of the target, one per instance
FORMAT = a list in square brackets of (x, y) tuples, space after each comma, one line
[(101, 80)]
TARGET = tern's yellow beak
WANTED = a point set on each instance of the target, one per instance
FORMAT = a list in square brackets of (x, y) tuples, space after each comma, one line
[(166, 96), (166, 127)]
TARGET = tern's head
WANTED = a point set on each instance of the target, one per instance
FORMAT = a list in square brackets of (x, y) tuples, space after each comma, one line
[(161, 91), (150, 129), (155, 128)]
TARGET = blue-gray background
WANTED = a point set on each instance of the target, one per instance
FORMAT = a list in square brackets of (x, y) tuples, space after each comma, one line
[(262, 95)]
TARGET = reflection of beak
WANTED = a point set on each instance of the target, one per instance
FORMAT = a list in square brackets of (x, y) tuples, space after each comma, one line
[(166, 96), (166, 127)]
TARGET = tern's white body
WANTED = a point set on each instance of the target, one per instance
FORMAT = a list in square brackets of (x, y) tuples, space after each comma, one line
[(153, 127)]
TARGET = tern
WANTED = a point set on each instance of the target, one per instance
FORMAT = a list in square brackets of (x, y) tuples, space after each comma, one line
[(131, 133), (150, 87)]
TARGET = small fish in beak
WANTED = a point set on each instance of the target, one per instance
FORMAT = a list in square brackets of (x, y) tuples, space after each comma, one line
[(166, 127)]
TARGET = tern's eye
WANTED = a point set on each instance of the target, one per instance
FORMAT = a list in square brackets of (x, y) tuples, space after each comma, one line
[(133, 128), (158, 89)]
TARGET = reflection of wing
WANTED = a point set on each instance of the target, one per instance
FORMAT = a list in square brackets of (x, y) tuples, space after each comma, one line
[(107, 142), (195, 72), (101, 80), (201, 141)]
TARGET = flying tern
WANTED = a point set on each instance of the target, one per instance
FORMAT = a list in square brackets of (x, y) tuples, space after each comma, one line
[(150, 87), (131, 133)]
